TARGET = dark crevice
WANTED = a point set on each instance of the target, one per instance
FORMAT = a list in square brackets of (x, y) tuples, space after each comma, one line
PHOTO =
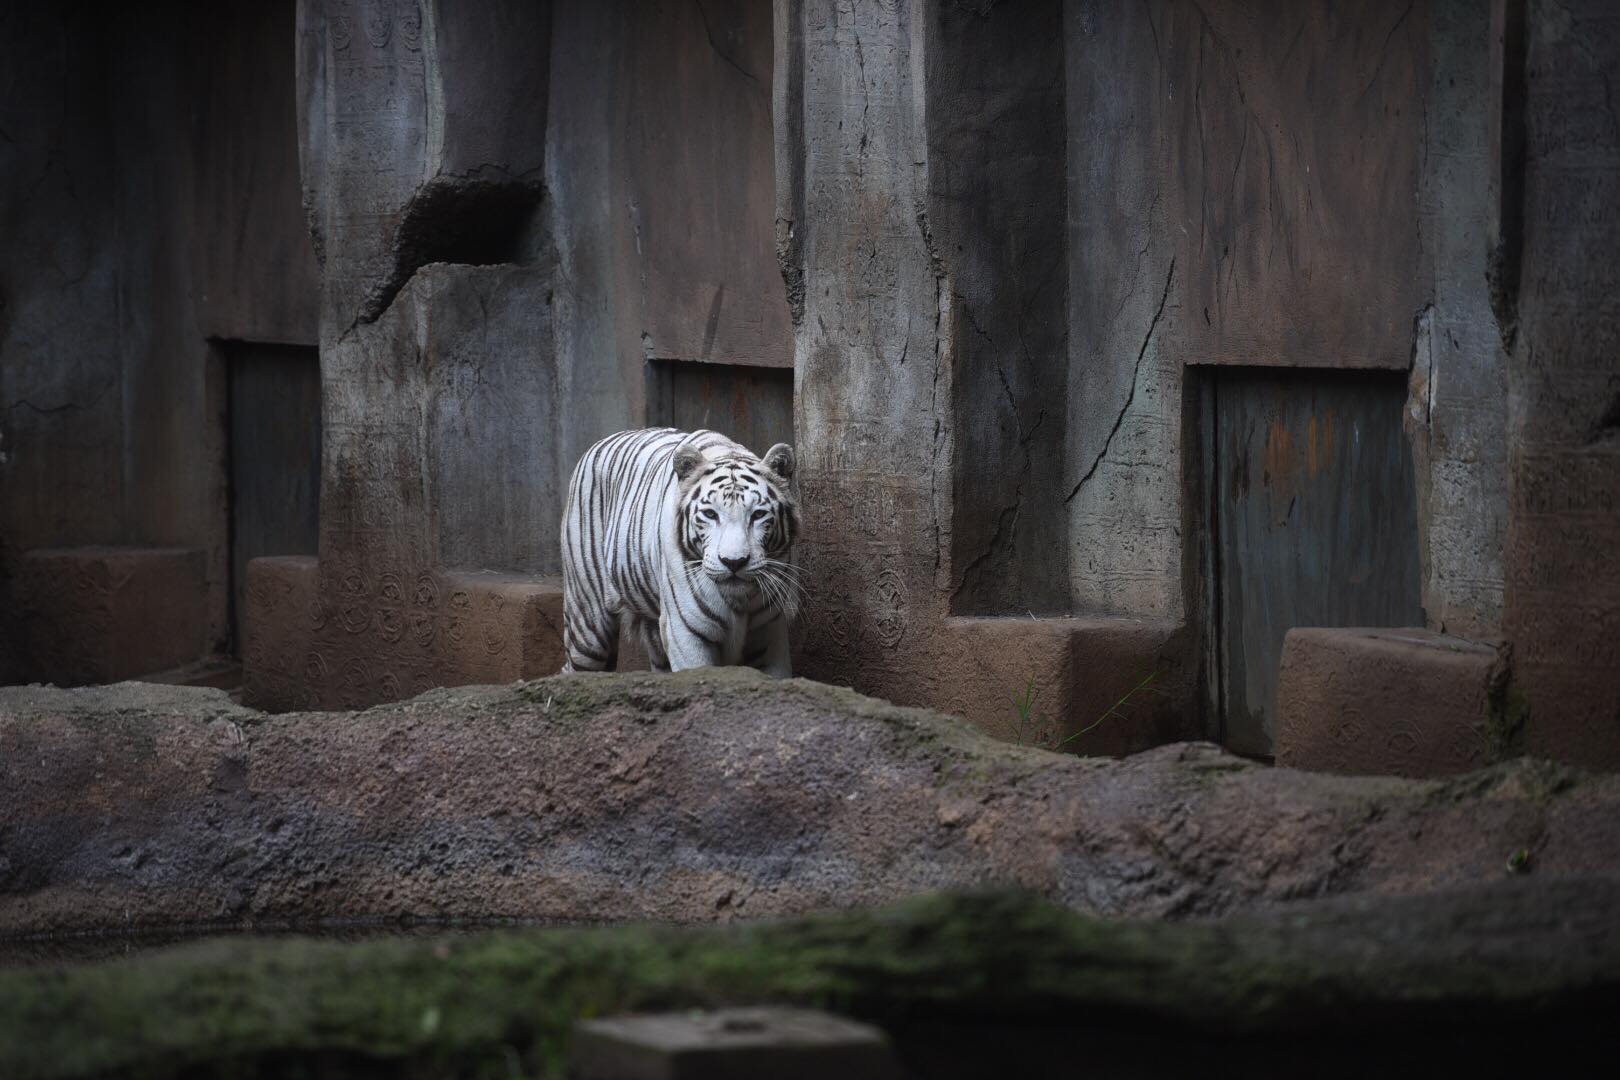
[(1608, 424), (708, 32), (1503, 269), (467, 222)]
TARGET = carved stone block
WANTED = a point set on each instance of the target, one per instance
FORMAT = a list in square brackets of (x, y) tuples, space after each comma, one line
[(1404, 702), (391, 635), (279, 671), (1097, 685), (500, 627), (102, 614)]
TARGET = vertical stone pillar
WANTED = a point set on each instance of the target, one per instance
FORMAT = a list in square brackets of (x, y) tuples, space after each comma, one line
[(920, 228), (1124, 488), (873, 317), (1456, 413), (1562, 603), (422, 135)]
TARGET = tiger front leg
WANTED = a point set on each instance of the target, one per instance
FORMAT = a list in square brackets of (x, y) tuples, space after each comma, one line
[(685, 646), (767, 647)]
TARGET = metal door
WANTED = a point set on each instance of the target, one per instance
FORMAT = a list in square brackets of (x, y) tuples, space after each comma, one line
[(753, 405), (1316, 523), (275, 456)]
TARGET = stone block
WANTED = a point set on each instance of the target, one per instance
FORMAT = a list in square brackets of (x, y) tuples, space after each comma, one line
[(278, 670), (102, 614), (446, 629), (1404, 702), (500, 627), (781, 1042), (1126, 680)]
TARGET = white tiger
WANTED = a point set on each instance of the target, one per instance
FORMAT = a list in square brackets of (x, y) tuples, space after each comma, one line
[(688, 536)]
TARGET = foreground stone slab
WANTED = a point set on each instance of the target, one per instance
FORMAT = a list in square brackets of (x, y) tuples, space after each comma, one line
[(1400, 702), (990, 985), (704, 795), (100, 614), (732, 1044)]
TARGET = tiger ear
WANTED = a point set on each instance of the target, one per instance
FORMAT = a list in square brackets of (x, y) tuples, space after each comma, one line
[(687, 460), (779, 459)]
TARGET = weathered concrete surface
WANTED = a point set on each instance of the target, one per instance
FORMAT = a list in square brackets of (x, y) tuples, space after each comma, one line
[(1392, 702), (919, 158), (1563, 572), (995, 215), (1493, 981), (1456, 414), (1106, 686), (705, 795), (104, 614), (1227, 163), (149, 202), (448, 628)]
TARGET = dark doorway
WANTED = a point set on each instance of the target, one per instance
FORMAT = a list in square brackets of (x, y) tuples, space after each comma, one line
[(1315, 524), (753, 405), (274, 410)]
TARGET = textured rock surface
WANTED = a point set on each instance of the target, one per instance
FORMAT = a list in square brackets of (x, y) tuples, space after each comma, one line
[(977, 986), (701, 796)]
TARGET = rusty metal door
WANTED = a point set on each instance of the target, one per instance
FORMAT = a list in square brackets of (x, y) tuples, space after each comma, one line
[(1316, 523)]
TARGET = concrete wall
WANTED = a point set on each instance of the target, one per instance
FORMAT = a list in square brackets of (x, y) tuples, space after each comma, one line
[(1007, 250), (1562, 603), (148, 194), (1242, 191), (996, 210), (518, 206)]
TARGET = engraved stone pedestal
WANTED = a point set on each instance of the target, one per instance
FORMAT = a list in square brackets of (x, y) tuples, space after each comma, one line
[(101, 614), (305, 650), (1406, 702)]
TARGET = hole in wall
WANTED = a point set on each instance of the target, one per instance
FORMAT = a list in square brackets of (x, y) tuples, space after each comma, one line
[(462, 221)]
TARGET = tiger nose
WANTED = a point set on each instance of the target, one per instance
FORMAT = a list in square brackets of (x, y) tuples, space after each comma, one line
[(736, 564)]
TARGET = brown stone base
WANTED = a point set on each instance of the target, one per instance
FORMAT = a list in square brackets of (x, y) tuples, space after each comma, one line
[(1095, 685), (1109, 686), (1401, 702), (101, 614), (452, 628)]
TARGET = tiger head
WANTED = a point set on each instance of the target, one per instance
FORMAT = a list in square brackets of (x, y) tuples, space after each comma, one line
[(737, 520)]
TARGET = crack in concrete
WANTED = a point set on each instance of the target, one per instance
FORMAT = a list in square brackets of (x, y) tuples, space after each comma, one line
[(1007, 519), (708, 32), (941, 292), (866, 101), (1016, 508), (1136, 374), (1383, 53), (66, 406)]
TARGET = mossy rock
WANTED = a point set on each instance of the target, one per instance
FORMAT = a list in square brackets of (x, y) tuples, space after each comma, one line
[(1466, 966)]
